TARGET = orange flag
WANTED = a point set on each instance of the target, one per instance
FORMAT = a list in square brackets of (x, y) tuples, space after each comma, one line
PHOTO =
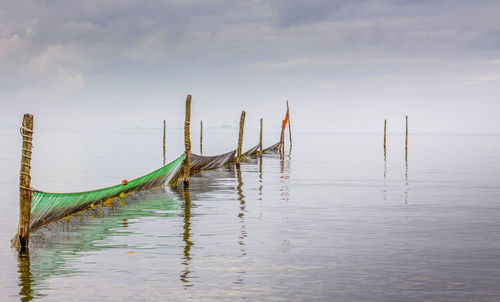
[(286, 120)]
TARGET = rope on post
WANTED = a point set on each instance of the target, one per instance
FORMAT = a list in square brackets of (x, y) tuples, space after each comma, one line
[(25, 189)]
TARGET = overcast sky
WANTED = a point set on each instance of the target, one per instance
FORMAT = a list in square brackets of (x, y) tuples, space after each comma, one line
[(343, 65)]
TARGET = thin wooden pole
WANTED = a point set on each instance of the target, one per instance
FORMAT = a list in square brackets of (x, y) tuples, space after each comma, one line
[(201, 137), (406, 140), (164, 139), (187, 141), (25, 192), (240, 139), (260, 138), (282, 138), (289, 125), (385, 137)]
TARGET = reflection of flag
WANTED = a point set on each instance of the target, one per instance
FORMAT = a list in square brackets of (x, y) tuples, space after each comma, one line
[(286, 120)]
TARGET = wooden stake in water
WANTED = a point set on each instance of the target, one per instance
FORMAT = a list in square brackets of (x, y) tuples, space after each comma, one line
[(25, 192), (385, 137), (164, 139), (240, 139), (406, 140), (260, 138), (289, 126), (201, 137), (187, 141), (282, 138)]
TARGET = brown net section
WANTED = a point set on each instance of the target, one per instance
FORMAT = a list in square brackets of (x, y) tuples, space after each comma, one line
[(273, 148), (199, 162), (252, 152)]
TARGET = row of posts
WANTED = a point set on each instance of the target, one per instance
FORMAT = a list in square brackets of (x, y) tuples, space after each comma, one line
[(187, 139), (406, 139), (25, 190)]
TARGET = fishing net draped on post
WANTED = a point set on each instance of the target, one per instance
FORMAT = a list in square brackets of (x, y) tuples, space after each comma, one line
[(273, 148), (254, 151), (47, 207), (199, 163)]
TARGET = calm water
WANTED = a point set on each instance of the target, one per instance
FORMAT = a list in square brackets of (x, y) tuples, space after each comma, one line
[(331, 222)]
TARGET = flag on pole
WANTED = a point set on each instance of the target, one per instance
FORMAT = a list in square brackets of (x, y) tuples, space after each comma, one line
[(286, 120)]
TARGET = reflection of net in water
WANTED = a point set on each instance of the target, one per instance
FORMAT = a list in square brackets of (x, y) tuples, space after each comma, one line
[(85, 232)]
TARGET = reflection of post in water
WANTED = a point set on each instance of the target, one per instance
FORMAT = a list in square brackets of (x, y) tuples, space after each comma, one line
[(241, 215), (25, 277), (285, 171), (241, 197), (260, 180), (406, 182), (186, 237), (385, 180)]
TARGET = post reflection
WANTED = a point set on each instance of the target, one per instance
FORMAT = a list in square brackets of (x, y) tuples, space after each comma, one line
[(407, 188), (184, 277), (261, 183), (241, 215), (385, 181), (285, 171), (25, 276)]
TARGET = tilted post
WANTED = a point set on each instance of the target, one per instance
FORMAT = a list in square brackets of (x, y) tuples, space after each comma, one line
[(260, 138), (240, 139), (187, 141), (201, 137), (406, 140), (282, 138), (164, 138), (289, 126), (25, 192)]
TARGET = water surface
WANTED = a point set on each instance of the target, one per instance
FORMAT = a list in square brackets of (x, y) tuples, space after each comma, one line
[(332, 221)]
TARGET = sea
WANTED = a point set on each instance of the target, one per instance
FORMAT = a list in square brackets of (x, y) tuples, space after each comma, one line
[(332, 220)]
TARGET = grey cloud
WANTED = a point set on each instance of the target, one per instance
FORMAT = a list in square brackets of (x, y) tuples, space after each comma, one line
[(296, 12), (104, 51)]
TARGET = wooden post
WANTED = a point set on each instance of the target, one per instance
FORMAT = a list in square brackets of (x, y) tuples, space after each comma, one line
[(25, 192), (240, 139), (187, 141), (201, 137), (164, 138), (289, 126), (260, 138), (385, 137), (282, 138), (406, 140)]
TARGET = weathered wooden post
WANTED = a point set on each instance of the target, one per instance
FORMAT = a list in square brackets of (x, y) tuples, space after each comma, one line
[(406, 140), (201, 137), (260, 138), (25, 192), (282, 138), (164, 138), (289, 126), (385, 135), (240, 139), (187, 141)]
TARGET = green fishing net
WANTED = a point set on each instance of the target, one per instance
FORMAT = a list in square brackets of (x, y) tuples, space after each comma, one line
[(47, 207)]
